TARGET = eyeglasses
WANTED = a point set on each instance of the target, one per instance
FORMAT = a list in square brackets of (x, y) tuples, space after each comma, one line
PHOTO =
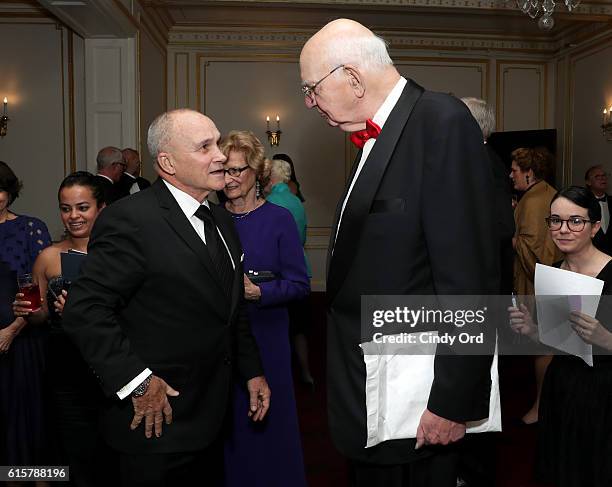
[(309, 90), (236, 171), (574, 224)]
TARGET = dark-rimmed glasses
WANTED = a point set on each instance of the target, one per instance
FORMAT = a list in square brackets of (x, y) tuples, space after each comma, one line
[(308, 90), (236, 171), (574, 223)]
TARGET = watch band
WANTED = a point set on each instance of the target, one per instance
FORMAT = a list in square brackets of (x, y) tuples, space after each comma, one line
[(142, 388)]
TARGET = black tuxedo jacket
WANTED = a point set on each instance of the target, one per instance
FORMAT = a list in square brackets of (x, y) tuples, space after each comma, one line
[(148, 296), (111, 191), (126, 182), (603, 241), (419, 221)]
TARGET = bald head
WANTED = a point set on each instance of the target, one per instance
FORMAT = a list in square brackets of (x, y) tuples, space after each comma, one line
[(345, 41), (346, 73), (166, 128)]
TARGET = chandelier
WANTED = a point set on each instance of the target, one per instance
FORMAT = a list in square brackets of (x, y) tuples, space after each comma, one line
[(534, 8)]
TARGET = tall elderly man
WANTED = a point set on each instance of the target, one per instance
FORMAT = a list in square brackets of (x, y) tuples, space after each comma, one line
[(415, 218), (110, 165), (158, 312)]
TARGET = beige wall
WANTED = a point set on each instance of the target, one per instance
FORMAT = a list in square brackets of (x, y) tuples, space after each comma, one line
[(35, 148), (152, 82), (590, 79)]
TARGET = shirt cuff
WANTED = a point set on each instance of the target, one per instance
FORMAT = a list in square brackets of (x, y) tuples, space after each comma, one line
[(127, 389)]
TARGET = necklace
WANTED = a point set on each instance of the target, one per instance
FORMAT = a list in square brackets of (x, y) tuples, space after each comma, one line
[(240, 217), (244, 215)]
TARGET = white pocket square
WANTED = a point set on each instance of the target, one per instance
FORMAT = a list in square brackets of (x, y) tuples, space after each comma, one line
[(242, 258)]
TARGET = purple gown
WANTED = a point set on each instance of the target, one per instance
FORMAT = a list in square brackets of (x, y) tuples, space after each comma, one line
[(269, 454)]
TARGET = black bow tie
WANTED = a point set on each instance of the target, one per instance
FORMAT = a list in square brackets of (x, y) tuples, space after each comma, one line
[(603, 198)]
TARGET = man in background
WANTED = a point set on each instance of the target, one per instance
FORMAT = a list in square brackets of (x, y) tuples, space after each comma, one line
[(596, 179), (110, 165), (131, 181)]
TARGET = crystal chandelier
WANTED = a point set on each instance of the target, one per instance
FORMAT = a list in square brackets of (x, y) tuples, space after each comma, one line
[(533, 8)]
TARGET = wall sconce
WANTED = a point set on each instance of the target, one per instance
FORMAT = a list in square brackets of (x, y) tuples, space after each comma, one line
[(273, 135), (4, 119), (606, 124)]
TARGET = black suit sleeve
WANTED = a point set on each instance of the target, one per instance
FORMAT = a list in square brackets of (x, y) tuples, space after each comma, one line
[(461, 239), (114, 268), (247, 353)]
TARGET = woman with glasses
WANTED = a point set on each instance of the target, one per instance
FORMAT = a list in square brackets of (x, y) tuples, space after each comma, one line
[(575, 425), (532, 243), (267, 454)]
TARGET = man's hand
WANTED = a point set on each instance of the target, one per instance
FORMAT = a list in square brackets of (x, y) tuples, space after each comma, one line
[(252, 292), (153, 406), (434, 430), (259, 398)]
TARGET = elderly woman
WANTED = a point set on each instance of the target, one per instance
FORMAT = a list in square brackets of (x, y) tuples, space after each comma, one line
[(532, 242), (22, 238), (575, 430), (268, 454)]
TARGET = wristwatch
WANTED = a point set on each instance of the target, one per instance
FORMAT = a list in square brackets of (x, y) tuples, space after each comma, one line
[(142, 388)]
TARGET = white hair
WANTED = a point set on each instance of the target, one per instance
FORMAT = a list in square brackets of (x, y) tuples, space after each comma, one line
[(369, 52), (108, 156), (483, 113), (159, 133), (280, 170)]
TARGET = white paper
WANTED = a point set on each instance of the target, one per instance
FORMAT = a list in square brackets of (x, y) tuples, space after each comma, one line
[(557, 293), (398, 384)]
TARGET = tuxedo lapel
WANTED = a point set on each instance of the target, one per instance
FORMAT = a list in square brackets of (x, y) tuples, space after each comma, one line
[(179, 223), (366, 186)]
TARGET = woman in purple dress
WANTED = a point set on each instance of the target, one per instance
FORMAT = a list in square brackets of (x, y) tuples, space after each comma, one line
[(267, 454), (22, 238)]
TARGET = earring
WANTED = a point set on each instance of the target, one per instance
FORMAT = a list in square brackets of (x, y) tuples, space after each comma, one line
[(527, 178), (257, 189)]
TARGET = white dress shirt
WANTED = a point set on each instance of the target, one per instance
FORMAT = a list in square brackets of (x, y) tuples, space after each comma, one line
[(189, 205), (605, 214), (379, 119)]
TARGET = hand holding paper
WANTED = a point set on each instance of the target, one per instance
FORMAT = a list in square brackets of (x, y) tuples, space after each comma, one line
[(590, 330)]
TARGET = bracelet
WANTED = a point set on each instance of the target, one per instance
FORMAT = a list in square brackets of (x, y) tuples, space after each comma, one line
[(142, 388)]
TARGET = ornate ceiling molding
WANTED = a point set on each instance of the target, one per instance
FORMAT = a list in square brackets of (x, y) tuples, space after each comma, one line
[(295, 40), (597, 8)]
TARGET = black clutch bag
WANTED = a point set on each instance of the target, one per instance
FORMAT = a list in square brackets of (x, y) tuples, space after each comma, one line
[(257, 277)]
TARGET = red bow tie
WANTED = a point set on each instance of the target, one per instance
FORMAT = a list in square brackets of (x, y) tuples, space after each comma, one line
[(360, 137)]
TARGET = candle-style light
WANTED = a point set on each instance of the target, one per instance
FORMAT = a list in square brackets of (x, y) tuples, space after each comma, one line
[(273, 135), (4, 119)]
